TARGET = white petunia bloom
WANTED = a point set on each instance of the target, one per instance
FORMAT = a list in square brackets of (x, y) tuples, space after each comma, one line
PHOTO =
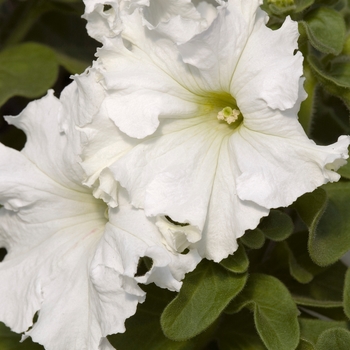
[(177, 19), (70, 259), (203, 132)]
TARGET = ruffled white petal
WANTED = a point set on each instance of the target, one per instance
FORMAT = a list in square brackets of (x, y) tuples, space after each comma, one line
[(214, 53), (81, 102), (45, 140), (177, 19), (158, 95), (207, 10), (175, 158), (64, 260), (269, 77), (133, 236), (284, 168), (103, 18), (51, 238), (160, 11), (171, 173), (228, 216)]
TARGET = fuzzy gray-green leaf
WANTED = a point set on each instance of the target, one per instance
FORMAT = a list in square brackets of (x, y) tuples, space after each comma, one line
[(205, 293)]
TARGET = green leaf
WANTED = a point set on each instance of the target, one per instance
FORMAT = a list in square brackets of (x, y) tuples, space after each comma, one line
[(346, 48), (327, 2), (305, 345), (277, 226), (237, 332), (253, 239), (336, 338), (328, 222), (326, 30), (143, 330), (336, 72), (330, 239), (301, 274), (346, 294), (238, 262), (330, 79), (325, 290), (307, 108), (71, 64), (282, 10), (26, 70), (331, 118), (11, 341), (308, 301), (311, 206), (19, 20), (310, 329), (205, 293), (339, 72), (344, 171), (71, 41), (275, 313), (291, 256), (301, 5), (302, 268)]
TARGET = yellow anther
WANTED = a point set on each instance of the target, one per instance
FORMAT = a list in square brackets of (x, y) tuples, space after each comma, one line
[(229, 115)]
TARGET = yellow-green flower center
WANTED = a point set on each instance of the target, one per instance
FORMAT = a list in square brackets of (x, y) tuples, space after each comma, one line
[(229, 115)]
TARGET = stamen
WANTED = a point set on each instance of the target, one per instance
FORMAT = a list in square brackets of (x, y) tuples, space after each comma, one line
[(229, 115)]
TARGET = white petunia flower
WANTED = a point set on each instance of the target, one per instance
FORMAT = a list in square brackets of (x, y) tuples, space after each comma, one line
[(178, 19), (205, 132), (70, 259)]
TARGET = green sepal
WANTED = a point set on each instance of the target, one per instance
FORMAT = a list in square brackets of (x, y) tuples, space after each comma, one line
[(238, 262), (277, 226), (205, 293), (11, 341), (27, 70), (326, 30), (253, 239), (335, 338), (275, 313)]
